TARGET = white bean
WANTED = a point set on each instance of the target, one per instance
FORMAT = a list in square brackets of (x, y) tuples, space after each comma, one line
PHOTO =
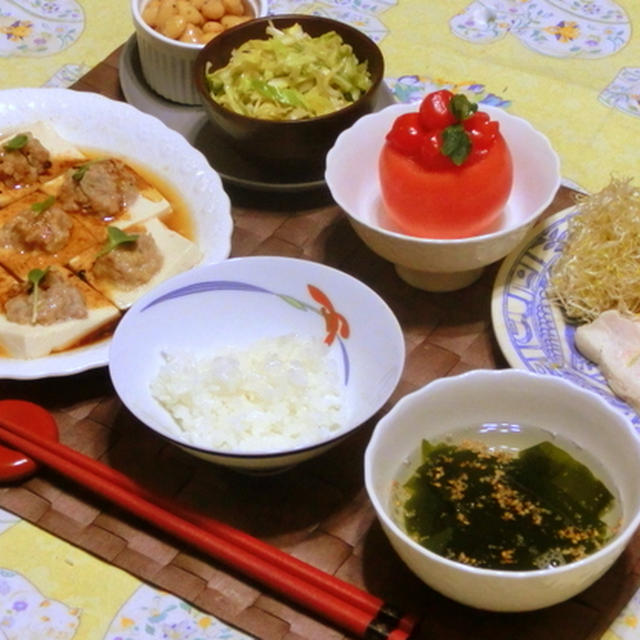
[(166, 9), (234, 7), (229, 21), (190, 13), (174, 26), (150, 13), (192, 35), (212, 9), (212, 26)]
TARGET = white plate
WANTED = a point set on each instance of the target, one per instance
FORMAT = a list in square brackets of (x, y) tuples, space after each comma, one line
[(92, 121), (531, 331)]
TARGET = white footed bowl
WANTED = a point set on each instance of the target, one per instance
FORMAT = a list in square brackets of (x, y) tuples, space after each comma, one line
[(167, 65), (236, 303), (511, 396), (436, 264)]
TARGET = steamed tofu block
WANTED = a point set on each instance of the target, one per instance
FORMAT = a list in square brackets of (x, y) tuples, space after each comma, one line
[(25, 339), (149, 203), (8, 286), (176, 254), (30, 239), (57, 154), (62, 150)]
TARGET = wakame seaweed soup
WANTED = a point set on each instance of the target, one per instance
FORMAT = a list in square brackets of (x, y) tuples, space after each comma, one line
[(504, 507)]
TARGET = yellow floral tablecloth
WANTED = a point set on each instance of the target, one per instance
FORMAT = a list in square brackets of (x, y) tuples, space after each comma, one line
[(55, 42), (570, 67), (50, 590)]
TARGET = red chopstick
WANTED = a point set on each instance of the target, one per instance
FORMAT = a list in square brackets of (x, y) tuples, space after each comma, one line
[(358, 597), (345, 604)]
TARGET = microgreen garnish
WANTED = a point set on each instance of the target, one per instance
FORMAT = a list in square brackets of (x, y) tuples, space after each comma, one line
[(43, 205), (461, 107), (116, 237), (35, 277), (78, 174), (80, 171), (455, 144), (17, 142)]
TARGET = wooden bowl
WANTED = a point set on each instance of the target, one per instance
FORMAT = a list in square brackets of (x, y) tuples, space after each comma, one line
[(288, 148)]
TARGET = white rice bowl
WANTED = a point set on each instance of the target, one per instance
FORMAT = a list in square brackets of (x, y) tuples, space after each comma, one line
[(339, 370)]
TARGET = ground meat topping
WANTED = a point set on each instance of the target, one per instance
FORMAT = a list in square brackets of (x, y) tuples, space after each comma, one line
[(48, 230), (130, 264), (54, 299), (25, 163), (102, 188)]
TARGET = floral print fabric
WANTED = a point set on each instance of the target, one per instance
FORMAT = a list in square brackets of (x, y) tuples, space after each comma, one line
[(49, 590)]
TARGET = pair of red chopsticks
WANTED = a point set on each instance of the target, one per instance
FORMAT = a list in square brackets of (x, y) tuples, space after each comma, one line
[(337, 601)]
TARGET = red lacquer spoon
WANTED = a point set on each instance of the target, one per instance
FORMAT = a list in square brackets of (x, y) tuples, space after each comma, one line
[(14, 465)]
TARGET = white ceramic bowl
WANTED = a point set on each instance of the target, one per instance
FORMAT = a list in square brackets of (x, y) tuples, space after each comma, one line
[(510, 396), (237, 302), (167, 64), (435, 264)]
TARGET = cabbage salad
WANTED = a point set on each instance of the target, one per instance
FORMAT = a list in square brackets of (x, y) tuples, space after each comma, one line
[(289, 76)]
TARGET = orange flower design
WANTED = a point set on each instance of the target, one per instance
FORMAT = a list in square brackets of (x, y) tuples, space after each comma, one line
[(18, 30), (336, 324), (564, 31)]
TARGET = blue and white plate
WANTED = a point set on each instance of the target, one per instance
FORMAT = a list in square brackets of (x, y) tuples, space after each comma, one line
[(531, 331)]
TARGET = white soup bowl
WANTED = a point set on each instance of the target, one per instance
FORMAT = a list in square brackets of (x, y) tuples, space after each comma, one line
[(512, 397)]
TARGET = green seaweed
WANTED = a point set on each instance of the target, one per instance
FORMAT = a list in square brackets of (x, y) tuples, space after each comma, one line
[(536, 509)]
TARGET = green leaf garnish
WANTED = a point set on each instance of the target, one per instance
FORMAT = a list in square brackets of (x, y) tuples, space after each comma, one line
[(455, 144), (461, 107), (78, 174), (43, 205), (116, 237), (35, 277), (17, 142)]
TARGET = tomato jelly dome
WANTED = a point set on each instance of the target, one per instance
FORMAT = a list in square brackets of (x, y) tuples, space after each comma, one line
[(445, 170)]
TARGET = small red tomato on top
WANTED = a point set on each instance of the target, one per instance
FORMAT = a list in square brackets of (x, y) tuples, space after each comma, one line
[(445, 170), (406, 134), (435, 112)]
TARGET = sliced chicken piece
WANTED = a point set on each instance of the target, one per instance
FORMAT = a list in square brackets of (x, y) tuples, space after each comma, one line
[(612, 341)]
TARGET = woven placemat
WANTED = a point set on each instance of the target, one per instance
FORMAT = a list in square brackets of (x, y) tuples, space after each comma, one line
[(318, 511)]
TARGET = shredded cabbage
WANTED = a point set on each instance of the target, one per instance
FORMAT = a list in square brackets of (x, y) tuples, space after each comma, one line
[(599, 268), (289, 76)]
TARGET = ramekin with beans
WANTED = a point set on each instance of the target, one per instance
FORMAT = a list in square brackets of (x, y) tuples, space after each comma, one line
[(194, 21)]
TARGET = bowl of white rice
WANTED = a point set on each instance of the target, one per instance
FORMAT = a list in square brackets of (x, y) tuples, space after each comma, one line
[(257, 363)]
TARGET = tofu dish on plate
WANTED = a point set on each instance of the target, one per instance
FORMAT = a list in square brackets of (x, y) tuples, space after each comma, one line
[(82, 236)]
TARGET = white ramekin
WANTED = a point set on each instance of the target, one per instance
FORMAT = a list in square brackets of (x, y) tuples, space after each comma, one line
[(167, 65)]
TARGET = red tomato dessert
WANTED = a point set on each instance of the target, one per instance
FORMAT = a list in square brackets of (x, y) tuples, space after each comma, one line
[(445, 170)]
